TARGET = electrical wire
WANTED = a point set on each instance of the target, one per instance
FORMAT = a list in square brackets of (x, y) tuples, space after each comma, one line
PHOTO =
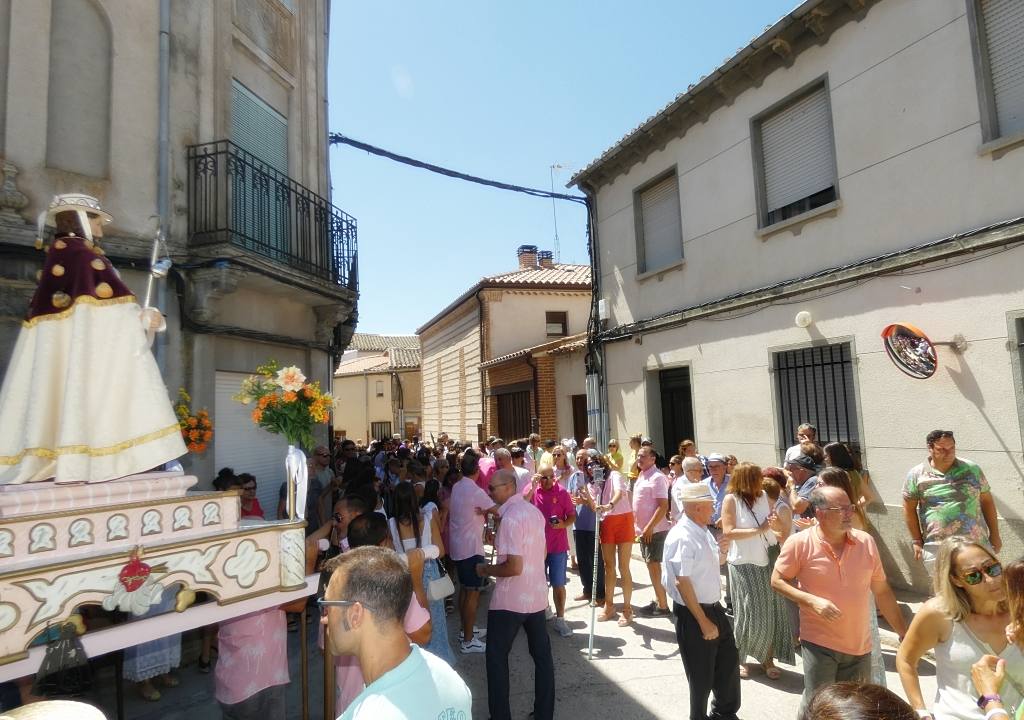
[(339, 139)]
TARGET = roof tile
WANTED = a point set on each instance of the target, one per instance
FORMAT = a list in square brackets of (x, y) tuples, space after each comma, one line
[(370, 341)]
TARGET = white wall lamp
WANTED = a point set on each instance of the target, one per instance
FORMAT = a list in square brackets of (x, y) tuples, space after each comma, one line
[(803, 319)]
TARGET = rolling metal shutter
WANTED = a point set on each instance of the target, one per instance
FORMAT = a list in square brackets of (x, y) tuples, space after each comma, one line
[(796, 145), (241, 445), (662, 224), (258, 129), (1004, 35)]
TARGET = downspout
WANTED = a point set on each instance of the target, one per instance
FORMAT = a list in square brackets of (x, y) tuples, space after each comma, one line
[(163, 162), (483, 373), (595, 346), (536, 397), (398, 403)]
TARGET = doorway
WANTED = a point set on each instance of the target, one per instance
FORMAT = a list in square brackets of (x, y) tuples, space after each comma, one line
[(676, 408), (579, 417)]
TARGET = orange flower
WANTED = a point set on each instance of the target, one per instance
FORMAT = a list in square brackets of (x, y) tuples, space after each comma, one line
[(192, 422), (311, 392), (257, 415), (274, 398), (290, 396), (264, 401), (208, 435)]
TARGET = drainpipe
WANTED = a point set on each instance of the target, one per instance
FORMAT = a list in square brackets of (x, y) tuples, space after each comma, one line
[(534, 427), (163, 160), (595, 347), (483, 373)]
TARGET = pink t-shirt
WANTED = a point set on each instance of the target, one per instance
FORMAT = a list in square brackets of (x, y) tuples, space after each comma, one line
[(846, 581), (465, 525), (557, 502), (612, 484), (650, 487), (487, 467), (521, 533), (252, 655)]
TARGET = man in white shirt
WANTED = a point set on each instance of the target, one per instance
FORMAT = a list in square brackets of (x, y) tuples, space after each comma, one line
[(503, 460), (805, 432), (364, 606), (690, 570)]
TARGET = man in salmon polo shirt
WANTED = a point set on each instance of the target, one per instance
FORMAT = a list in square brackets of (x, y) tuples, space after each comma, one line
[(467, 507), (519, 599), (836, 569), (650, 516)]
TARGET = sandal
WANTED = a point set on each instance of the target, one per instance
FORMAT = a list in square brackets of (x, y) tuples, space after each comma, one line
[(772, 672), (606, 616), (744, 672), (627, 618), (169, 680), (148, 692)]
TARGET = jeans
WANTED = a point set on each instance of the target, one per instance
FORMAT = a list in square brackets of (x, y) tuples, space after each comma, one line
[(824, 666), (502, 628), (585, 555), (267, 704)]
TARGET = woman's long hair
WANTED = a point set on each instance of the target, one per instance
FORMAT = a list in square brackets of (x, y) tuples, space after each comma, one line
[(745, 481), (1014, 574), (954, 599), (838, 455), (431, 493), (406, 508)]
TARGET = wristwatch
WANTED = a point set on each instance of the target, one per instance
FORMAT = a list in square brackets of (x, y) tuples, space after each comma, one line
[(984, 700)]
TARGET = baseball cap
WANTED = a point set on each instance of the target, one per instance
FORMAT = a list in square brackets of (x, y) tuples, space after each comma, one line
[(804, 462)]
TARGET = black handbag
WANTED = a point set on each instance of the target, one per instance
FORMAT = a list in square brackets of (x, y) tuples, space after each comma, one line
[(65, 670)]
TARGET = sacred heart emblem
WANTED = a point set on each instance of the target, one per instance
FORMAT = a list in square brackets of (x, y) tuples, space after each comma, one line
[(134, 574)]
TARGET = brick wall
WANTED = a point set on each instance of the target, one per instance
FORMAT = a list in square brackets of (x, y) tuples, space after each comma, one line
[(548, 396)]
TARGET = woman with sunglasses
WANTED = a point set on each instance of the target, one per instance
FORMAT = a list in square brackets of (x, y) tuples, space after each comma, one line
[(251, 507), (965, 620), (614, 456)]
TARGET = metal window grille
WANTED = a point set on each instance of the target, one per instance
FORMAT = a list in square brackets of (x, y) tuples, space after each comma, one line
[(815, 385), (380, 430)]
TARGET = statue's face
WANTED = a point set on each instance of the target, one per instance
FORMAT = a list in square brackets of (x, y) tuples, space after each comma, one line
[(96, 225)]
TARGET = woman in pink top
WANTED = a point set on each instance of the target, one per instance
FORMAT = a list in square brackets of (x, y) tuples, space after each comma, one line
[(560, 455), (611, 502)]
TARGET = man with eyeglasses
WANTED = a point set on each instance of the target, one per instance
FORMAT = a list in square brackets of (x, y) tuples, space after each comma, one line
[(363, 608), (830, 571), (945, 496), (519, 600)]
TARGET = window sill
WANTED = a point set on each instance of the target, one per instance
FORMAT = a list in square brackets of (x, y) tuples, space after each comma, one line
[(794, 223), (660, 271), (994, 147)]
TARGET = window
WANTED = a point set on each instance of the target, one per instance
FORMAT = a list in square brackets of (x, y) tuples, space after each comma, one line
[(794, 156), (556, 324), (380, 430), (659, 225), (380, 388), (997, 38), (815, 385), (78, 101)]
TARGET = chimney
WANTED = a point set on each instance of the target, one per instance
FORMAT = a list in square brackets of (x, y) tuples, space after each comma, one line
[(546, 259), (527, 255)]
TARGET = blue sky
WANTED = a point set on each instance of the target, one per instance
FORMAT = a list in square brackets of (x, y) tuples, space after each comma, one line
[(503, 91)]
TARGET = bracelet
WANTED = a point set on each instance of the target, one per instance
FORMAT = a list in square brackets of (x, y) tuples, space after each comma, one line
[(996, 712), (918, 542)]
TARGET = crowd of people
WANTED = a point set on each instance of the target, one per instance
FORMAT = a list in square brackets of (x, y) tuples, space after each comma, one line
[(752, 565)]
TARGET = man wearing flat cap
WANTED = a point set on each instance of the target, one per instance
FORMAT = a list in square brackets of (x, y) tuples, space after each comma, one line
[(804, 472), (690, 574)]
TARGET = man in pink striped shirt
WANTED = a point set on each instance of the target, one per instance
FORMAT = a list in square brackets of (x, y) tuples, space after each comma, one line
[(520, 599)]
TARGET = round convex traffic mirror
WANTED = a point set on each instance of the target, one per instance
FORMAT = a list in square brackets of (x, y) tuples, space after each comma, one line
[(910, 350)]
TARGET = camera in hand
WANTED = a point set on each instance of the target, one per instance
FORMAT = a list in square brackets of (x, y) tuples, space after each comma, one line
[(554, 519)]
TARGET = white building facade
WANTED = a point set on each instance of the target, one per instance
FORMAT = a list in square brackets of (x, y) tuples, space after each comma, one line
[(861, 162)]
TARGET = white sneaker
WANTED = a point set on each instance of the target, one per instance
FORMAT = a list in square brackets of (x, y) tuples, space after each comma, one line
[(478, 633), (473, 646), (562, 628), (549, 614)]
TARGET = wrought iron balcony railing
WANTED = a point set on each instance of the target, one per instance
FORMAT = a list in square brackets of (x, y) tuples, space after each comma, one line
[(234, 197)]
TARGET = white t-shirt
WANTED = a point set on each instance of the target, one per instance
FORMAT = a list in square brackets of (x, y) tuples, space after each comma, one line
[(422, 686), (523, 477)]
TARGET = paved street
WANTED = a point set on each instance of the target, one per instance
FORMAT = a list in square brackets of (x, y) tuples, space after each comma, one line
[(636, 674)]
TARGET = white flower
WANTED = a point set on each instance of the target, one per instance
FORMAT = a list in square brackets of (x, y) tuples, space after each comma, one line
[(290, 378)]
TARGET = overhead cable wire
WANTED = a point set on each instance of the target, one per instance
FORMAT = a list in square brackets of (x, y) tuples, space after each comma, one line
[(339, 139)]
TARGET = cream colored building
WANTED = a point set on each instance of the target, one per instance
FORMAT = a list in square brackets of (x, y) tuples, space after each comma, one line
[(480, 376), (860, 162), (377, 388), (231, 157)]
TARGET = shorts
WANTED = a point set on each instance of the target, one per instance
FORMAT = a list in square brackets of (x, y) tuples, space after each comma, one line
[(466, 570), (652, 551), (554, 564), (617, 529)]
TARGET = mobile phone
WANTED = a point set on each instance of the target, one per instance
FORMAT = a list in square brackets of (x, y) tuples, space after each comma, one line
[(554, 519)]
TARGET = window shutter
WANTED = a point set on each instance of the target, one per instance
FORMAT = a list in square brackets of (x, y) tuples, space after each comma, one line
[(258, 129), (662, 224), (1004, 35), (796, 144)]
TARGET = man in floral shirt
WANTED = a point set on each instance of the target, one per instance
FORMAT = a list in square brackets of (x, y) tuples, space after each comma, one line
[(945, 496)]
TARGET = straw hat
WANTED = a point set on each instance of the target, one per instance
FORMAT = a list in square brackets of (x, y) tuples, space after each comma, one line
[(54, 710)]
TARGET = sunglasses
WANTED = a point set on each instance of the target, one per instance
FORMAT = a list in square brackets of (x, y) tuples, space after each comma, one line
[(973, 577), (323, 604), (248, 487)]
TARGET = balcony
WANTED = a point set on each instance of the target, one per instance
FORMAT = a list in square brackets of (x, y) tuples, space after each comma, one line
[(236, 199)]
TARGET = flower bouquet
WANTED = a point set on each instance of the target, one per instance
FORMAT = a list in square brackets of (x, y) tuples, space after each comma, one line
[(196, 428), (287, 405)]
